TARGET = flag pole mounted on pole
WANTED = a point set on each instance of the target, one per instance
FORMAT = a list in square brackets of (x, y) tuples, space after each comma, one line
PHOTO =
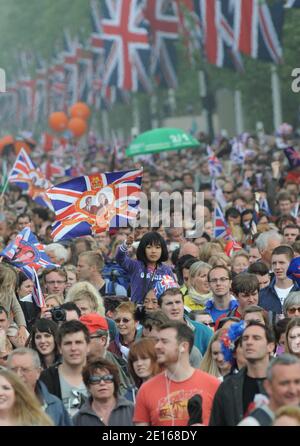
[(238, 108), (276, 97)]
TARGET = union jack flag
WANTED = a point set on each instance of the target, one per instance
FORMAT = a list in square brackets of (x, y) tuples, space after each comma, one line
[(214, 164), (221, 228), (264, 205), (258, 29), (218, 33), (28, 254), (231, 247), (26, 250), (85, 72), (30, 178), (95, 203), (166, 283), (237, 155), (126, 44), (293, 157), (96, 36), (164, 32), (71, 70), (189, 24), (102, 94), (56, 84)]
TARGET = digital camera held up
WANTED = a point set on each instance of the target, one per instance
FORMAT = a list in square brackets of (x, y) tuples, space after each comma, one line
[(58, 314)]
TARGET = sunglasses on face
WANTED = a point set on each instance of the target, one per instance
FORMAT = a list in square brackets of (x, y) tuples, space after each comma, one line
[(96, 379), (124, 320), (293, 310)]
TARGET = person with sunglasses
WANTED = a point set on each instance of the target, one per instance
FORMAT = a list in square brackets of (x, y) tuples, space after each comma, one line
[(291, 305), (104, 407), (128, 330)]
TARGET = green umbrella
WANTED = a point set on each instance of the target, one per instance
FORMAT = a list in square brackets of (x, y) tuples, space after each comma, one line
[(159, 140)]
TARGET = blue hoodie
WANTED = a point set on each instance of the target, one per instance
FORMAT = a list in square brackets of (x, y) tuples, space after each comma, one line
[(136, 269), (269, 300)]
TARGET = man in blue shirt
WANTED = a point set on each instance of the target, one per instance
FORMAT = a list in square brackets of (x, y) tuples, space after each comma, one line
[(222, 302)]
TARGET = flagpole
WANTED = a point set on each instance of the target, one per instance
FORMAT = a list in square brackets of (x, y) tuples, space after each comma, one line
[(153, 109), (6, 183), (238, 108), (135, 117), (206, 97), (276, 97)]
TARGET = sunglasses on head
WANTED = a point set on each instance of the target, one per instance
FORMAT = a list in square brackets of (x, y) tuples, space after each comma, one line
[(96, 379), (118, 320)]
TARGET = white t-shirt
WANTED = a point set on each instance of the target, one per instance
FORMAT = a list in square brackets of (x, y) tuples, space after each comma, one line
[(282, 293)]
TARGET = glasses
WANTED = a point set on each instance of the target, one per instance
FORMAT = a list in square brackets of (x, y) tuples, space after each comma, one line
[(23, 370), (293, 310), (227, 191), (221, 280), (118, 320), (53, 282), (96, 379)]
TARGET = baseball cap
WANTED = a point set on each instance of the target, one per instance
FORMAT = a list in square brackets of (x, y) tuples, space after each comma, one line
[(94, 322)]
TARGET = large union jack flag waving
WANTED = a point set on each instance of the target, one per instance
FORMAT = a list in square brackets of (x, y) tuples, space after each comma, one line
[(258, 29), (95, 203), (126, 44), (30, 178), (221, 228)]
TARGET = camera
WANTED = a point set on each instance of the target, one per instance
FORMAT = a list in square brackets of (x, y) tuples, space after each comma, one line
[(58, 314)]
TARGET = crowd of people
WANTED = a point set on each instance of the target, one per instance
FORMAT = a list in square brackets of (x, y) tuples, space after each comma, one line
[(141, 325)]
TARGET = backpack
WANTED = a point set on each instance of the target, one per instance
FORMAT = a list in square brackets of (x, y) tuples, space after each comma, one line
[(116, 275)]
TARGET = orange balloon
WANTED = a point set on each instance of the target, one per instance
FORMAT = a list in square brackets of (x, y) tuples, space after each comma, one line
[(58, 121), (80, 110), (77, 127)]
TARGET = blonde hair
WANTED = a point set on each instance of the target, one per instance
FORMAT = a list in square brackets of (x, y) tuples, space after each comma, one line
[(26, 410), (220, 259), (70, 268), (208, 250), (126, 307), (288, 411), (85, 290), (240, 253), (208, 364), (196, 268), (94, 258), (57, 297), (8, 281)]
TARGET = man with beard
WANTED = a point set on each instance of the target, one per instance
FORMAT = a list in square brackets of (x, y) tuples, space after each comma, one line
[(163, 399)]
